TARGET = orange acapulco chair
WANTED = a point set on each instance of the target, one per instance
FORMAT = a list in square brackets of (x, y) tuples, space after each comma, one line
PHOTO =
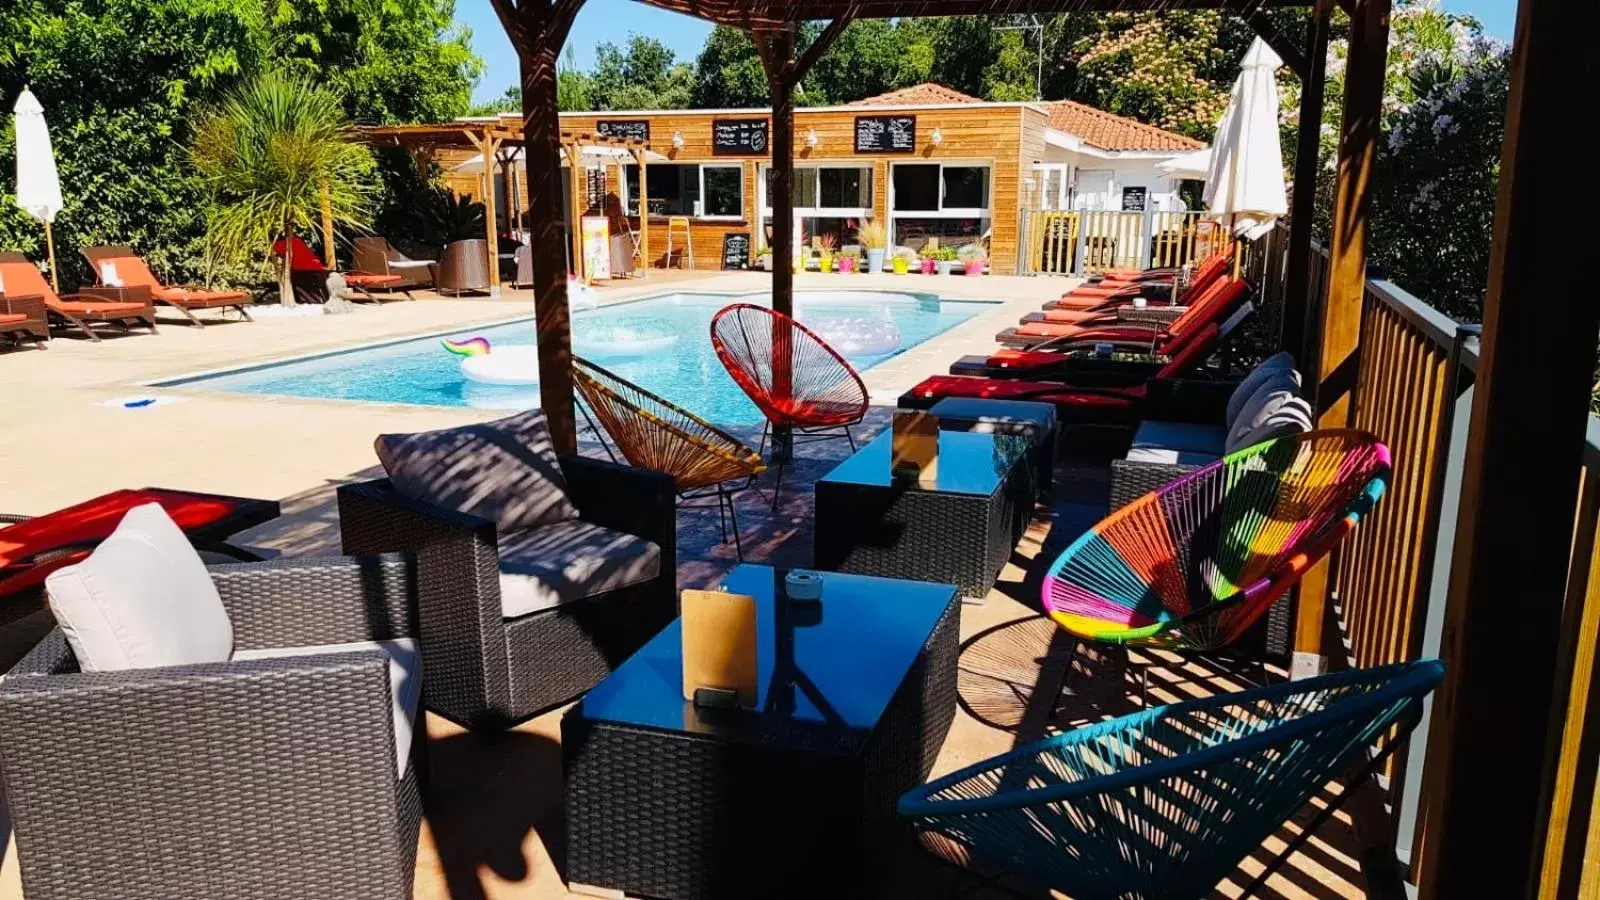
[(1193, 565), (815, 393), (654, 433)]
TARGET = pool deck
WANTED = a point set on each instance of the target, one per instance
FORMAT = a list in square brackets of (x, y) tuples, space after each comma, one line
[(494, 829)]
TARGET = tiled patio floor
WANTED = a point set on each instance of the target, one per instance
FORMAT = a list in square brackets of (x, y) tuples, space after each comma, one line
[(495, 823)]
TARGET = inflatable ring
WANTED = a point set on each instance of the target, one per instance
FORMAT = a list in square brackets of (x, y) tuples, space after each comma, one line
[(514, 365), (857, 336), (627, 336), (472, 346)]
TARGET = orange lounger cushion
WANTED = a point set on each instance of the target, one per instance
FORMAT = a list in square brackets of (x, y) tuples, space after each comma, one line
[(88, 308), (189, 297), (358, 279), (12, 318)]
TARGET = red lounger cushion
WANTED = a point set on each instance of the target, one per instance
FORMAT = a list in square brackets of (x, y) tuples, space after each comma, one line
[(88, 308), (12, 318), (942, 386), (370, 281), (71, 532), (190, 297)]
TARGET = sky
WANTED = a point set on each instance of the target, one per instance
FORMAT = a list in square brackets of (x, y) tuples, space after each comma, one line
[(614, 20)]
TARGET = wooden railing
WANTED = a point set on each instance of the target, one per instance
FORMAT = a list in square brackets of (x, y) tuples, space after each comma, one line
[(1087, 242)]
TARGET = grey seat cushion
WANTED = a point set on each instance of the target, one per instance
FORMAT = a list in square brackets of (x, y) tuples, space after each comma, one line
[(505, 471), (1269, 368), (1159, 441), (998, 416), (1274, 410), (405, 681), (567, 561)]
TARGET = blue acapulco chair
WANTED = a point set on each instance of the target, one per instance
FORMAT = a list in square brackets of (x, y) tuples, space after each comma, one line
[(1166, 802)]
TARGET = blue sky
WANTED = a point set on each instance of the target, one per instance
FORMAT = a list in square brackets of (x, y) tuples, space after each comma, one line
[(613, 20)]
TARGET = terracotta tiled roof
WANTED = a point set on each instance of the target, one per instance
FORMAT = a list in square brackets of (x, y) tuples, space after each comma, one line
[(923, 94), (1109, 131)]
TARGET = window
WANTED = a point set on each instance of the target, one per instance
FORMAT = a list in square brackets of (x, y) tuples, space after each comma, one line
[(935, 201), (676, 189), (836, 189)]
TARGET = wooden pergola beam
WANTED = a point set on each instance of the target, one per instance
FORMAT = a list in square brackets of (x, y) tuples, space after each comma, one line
[(772, 15), (1298, 62), (1298, 302)]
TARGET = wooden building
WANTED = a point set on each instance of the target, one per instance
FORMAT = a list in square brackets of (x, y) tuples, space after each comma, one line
[(930, 163)]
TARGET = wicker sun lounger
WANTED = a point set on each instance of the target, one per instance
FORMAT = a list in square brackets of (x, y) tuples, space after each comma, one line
[(22, 277), (186, 299)]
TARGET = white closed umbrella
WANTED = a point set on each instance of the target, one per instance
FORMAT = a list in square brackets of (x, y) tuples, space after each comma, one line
[(1245, 183), (38, 184), (1194, 165)]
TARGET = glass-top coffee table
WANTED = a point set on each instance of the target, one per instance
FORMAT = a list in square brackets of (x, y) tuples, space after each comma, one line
[(959, 527), (792, 799)]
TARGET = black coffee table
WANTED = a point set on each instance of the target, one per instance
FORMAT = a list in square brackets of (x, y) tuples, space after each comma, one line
[(961, 528), (794, 799)]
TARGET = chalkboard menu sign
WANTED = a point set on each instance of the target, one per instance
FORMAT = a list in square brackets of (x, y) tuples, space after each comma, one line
[(886, 134), (738, 137), (637, 129), (736, 250), (1135, 198), (594, 188)]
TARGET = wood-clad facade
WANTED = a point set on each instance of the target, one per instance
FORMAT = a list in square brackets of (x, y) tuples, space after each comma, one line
[(975, 161)]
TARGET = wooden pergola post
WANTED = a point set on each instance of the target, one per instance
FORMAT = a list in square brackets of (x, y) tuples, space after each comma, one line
[(575, 208), (329, 258), (1333, 342), (1298, 302), (538, 29), (640, 154), (488, 145), (1484, 833), (784, 72)]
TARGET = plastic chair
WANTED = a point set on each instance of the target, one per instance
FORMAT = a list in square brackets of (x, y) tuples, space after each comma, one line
[(815, 393), (1166, 802), (1193, 565), (653, 433)]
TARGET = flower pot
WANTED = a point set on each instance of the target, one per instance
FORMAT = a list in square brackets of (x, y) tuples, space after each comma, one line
[(874, 259), (847, 264), (900, 265), (946, 265), (929, 265), (825, 264), (975, 267)]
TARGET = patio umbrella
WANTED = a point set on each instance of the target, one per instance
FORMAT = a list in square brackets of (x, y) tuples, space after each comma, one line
[(38, 184), (1194, 165), (1245, 182)]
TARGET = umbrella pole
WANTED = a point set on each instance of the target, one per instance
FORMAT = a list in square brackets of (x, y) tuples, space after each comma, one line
[(50, 246)]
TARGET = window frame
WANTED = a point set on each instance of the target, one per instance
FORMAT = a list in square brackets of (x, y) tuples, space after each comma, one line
[(821, 212), (947, 212), (632, 170)]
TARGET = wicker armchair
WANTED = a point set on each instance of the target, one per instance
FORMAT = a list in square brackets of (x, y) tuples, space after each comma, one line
[(227, 781), (484, 670)]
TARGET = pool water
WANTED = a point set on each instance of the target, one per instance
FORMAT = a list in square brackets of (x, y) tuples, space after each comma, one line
[(687, 372)]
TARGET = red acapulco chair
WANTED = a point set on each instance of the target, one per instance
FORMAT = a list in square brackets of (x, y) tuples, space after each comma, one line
[(817, 392)]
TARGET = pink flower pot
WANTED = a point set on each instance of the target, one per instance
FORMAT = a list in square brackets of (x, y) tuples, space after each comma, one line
[(847, 264), (929, 266), (974, 268)]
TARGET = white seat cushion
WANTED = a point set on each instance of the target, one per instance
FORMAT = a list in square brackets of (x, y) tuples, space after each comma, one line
[(409, 264), (142, 599), (405, 681), (1270, 367), (554, 564)]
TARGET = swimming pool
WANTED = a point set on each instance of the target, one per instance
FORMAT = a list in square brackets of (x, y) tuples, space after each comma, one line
[(685, 370)]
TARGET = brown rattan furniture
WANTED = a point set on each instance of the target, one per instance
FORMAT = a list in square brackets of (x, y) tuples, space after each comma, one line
[(23, 316), (483, 669), (374, 256), (654, 433), (236, 780), (23, 277), (464, 267), (185, 299)]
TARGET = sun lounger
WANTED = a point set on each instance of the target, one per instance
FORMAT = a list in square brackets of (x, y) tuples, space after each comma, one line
[(22, 277), (23, 317), (115, 263)]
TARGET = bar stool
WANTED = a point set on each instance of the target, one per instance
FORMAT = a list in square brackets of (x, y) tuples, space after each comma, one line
[(679, 226)]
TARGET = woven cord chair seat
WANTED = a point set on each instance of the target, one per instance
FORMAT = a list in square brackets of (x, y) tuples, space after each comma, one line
[(816, 389), (654, 433), (1165, 803), (1194, 564)]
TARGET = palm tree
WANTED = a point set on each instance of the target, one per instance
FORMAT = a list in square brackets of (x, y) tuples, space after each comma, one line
[(268, 153)]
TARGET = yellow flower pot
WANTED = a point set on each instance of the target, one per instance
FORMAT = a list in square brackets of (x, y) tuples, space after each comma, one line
[(900, 266)]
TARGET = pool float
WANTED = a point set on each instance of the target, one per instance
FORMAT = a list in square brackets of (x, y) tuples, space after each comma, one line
[(501, 397), (580, 295), (514, 365), (627, 336), (857, 335), (472, 346)]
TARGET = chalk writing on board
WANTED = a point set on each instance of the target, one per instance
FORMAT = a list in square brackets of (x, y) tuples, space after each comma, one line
[(637, 129), (736, 250), (738, 137), (886, 134)]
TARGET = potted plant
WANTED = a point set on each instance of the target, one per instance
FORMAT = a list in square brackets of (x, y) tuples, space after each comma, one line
[(947, 260), (930, 259), (874, 237), (826, 243), (847, 262), (900, 263), (764, 258), (974, 258)]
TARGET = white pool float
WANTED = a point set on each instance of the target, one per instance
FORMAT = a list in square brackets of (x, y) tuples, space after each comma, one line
[(857, 335), (499, 397), (580, 296), (627, 336), (506, 365)]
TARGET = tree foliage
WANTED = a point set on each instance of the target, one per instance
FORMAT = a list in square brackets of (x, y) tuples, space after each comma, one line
[(644, 75), (121, 82)]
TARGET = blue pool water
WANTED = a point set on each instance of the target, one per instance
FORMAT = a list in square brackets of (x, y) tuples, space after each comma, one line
[(688, 373)]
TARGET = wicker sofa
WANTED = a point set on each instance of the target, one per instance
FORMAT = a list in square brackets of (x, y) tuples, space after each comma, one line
[(254, 777), (485, 669)]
